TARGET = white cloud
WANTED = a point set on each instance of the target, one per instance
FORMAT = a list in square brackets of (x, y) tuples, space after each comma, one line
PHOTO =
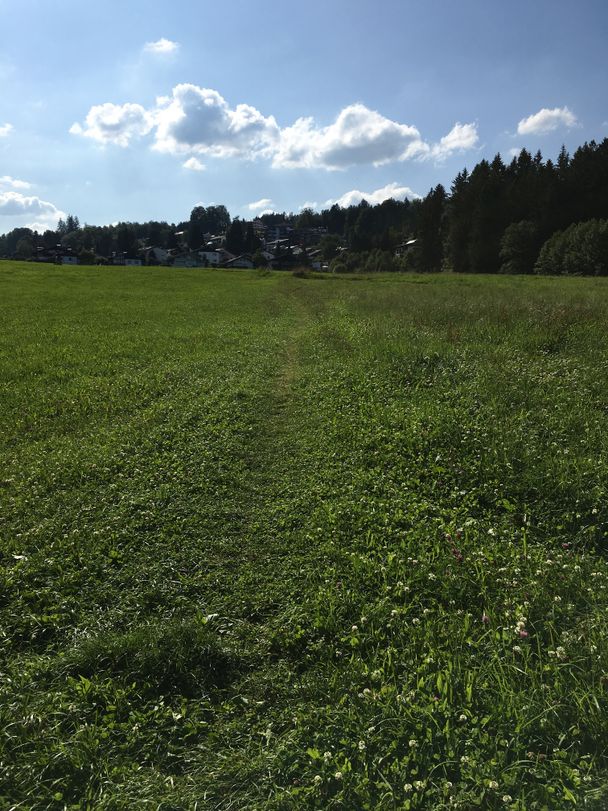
[(21, 211), (194, 165), (264, 203), (363, 136), (357, 136), (196, 119), (161, 46), (115, 123), (460, 138), (514, 151), (5, 129), (308, 204), (13, 183), (392, 190), (546, 121)]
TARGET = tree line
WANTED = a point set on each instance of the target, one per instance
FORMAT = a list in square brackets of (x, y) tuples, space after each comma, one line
[(529, 215)]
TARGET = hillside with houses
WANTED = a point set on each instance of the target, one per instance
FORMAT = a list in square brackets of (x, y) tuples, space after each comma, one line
[(279, 245)]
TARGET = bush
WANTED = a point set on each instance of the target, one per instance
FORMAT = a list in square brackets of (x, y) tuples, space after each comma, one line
[(580, 250)]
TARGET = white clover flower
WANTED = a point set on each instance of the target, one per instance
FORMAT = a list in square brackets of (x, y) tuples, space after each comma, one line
[(507, 799), (327, 756), (493, 785), (413, 743), (462, 718), (362, 746), (317, 779), (516, 649), (415, 621), (338, 775), (377, 675), (560, 653), (354, 629), (408, 787)]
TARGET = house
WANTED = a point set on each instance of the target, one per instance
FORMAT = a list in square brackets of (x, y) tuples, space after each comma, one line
[(132, 262), (280, 230), (243, 261), (187, 259), (156, 256), (405, 247), (310, 236), (210, 258), (69, 259)]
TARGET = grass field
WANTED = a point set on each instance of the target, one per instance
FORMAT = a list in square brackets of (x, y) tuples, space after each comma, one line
[(284, 543)]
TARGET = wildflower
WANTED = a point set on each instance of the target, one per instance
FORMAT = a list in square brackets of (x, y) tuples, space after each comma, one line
[(493, 785), (415, 621), (408, 787), (462, 718), (362, 746), (394, 612), (377, 675), (327, 756), (338, 775), (432, 576), (560, 653), (317, 779), (413, 743), (484, 618), (507, 799), (557, 599), (516, 649), (354, 629), (419, 784)]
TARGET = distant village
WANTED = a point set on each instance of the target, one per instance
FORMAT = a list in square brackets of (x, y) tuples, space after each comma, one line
[(281, 246)]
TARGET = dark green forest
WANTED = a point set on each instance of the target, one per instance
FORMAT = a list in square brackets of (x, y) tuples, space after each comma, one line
[(530, 215)]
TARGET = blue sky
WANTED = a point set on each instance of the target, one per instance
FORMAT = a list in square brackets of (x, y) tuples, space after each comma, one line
[(140, 110)]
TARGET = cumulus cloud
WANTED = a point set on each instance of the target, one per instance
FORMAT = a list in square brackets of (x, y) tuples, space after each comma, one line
[(264, 203), (460, 138), (357, 136), (161, 46), (391, 190), (194, 165), (196, 120), (546, 120), (5, 129), (18, 210), (115, 123), (12, 183), (514, 151)]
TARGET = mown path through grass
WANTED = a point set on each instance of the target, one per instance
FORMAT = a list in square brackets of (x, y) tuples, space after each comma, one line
[(292, 543)]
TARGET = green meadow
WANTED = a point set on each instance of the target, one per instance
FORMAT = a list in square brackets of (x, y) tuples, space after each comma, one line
[(271, 542)]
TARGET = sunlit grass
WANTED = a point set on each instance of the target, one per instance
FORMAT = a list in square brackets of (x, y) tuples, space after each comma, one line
[(277, 542)]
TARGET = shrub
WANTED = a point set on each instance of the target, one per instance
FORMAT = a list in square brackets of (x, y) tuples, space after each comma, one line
[(580, 250)]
